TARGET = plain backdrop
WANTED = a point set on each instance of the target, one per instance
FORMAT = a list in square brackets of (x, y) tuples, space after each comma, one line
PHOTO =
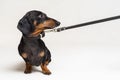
[(87, 53)]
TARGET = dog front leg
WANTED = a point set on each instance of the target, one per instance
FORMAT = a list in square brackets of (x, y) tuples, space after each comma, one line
[(45, 70), (28, 68)]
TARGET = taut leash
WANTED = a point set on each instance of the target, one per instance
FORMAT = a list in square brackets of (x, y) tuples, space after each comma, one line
[(84, 24)]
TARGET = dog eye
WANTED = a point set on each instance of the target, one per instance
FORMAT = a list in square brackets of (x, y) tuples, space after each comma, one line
[(42, 16)]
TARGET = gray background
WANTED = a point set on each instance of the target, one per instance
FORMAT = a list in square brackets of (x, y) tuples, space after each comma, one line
[(88, 53)]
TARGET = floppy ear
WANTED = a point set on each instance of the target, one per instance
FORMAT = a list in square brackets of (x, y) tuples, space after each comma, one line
[(25, 26)]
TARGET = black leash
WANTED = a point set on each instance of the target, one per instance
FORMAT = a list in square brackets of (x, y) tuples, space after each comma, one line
[(84, 24)]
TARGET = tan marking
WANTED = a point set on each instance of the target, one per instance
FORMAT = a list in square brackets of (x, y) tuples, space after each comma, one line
[(37, 32), (48, 24), (28, 68), (38, 29), (41, 54), (24, 55), (35, 23), (45, 70), (46, 62)]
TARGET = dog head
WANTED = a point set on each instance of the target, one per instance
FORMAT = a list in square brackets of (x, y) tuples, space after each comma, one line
[(35, 22)]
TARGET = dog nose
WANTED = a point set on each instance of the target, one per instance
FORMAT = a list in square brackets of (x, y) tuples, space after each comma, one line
[(57, 23)]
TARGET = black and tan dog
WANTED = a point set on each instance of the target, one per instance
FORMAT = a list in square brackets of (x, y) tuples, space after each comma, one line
[(32, 48)]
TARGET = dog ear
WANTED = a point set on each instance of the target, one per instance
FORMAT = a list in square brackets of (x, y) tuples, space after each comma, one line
[(25, 26)]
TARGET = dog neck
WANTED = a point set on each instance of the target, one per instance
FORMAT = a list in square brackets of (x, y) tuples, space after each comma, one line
[(31, 37)]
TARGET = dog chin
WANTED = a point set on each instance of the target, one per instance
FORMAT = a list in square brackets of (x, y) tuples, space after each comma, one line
[(50, 27)]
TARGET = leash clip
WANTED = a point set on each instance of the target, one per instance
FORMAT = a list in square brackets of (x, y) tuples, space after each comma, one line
[(52, 30), (60, 29), (56, 29)]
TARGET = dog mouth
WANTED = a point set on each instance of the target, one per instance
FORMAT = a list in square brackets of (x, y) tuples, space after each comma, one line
[(50, 24), (52, 27)]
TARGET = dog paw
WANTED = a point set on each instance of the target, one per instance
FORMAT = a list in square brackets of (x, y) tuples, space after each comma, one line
[(46, 72), (27, 71)]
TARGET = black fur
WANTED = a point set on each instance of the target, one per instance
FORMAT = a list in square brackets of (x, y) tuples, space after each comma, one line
[(30, 45)]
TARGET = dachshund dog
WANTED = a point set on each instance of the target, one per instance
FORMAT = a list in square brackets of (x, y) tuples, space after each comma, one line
[(31, 48)]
